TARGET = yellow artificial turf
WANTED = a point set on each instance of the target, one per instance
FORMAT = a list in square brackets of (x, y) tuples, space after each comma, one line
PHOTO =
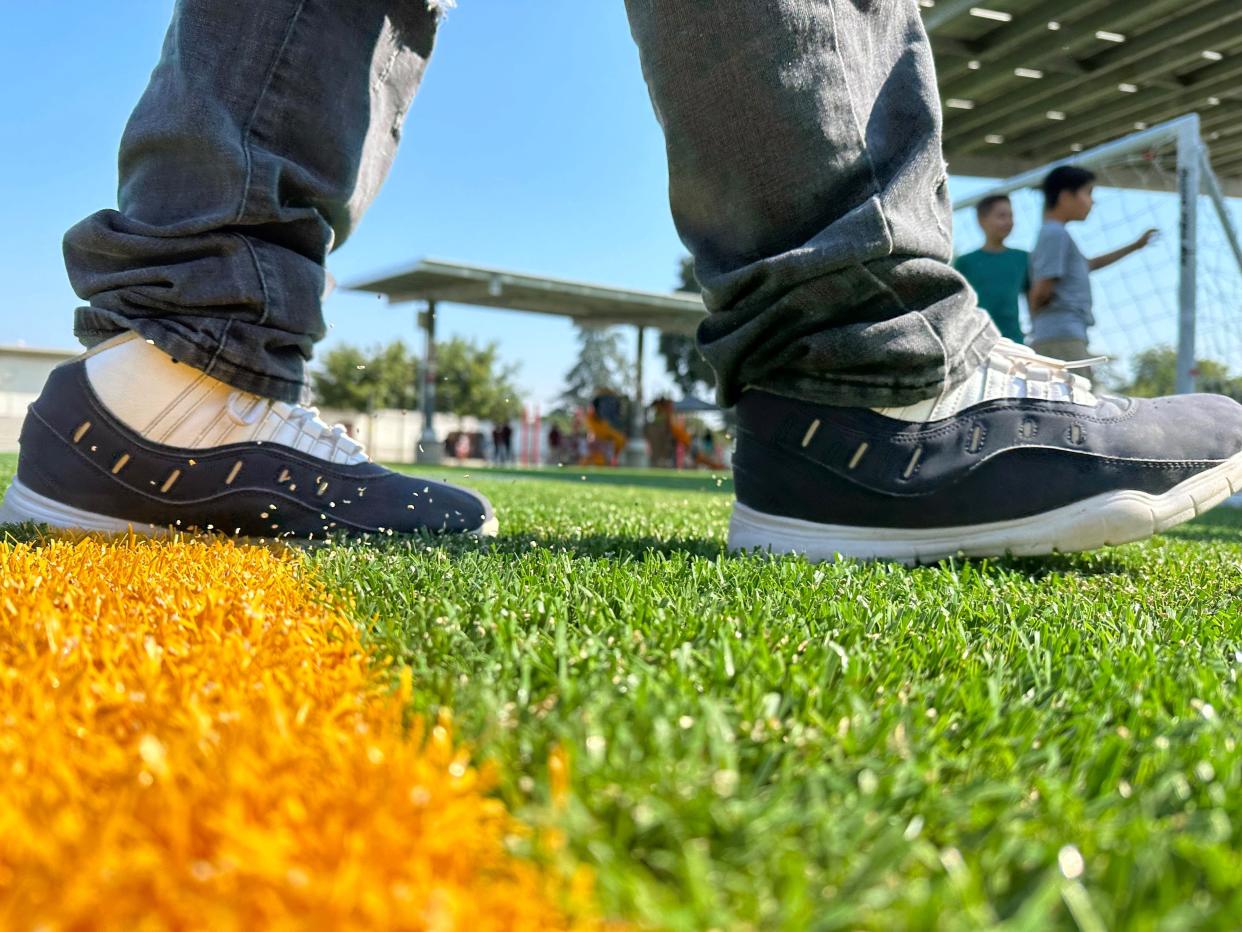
[(191, 736)]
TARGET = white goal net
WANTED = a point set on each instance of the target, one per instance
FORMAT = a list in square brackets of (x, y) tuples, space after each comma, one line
[(1182, 294)]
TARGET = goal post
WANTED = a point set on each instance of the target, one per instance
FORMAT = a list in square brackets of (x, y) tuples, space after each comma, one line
[(1185, 291), (1189, 185)]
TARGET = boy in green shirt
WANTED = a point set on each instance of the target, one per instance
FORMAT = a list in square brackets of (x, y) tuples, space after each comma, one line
[(997, 273)]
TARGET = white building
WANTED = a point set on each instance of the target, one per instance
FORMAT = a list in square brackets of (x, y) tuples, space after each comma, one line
[(23, 370)]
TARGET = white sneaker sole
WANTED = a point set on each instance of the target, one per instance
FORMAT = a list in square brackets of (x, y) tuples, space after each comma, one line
[(1100, 521), (21, 505)]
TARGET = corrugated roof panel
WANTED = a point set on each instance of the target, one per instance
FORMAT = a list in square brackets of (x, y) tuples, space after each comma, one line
[(1033, 93)]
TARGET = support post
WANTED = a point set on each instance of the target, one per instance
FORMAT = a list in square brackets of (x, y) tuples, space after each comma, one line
[(636, 447), (1189, 183), (428, 446), (1212, 184)]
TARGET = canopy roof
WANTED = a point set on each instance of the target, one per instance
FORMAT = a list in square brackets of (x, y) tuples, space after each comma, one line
[(1025, 82), (587, 304)]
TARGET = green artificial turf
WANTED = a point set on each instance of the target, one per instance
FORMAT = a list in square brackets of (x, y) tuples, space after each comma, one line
[(773, 744)]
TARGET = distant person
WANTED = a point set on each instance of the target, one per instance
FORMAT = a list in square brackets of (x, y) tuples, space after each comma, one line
[(996, 272), (1060, 297), (879, 412), (506, 442), (554, 444)]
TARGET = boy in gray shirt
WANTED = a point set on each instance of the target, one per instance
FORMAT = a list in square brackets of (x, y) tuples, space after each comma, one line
[(1060, 297)]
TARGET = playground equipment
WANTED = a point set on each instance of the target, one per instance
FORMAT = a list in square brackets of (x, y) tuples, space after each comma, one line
[(671, 443), (605, 426)]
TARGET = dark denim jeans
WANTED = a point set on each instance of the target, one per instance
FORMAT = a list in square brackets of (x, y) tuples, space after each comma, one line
[(805, 172)]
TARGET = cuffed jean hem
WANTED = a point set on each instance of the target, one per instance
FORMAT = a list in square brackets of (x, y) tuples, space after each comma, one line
[(187, 349), (882, 392)]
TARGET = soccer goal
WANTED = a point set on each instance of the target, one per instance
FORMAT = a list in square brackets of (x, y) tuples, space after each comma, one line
[(1184, 291)]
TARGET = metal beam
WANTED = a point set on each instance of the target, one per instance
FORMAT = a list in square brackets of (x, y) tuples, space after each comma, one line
[(944, 47), (1212, 118), (1032, 133), (977, 83), (450, 294), (945, 12), (1046, 93), (1044, 135), (1028, 35), (1099, 155), (1089, 102)]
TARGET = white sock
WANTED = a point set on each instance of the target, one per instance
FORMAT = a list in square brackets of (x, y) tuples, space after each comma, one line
[(1010, 370), (171, 403)]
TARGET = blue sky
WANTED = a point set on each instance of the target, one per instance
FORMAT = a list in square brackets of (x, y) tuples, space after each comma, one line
[(532, 146)]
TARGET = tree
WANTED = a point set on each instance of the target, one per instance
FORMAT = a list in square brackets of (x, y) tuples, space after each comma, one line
[(354, 379), (471, 381), (601, 365), (1155, 374), (686, 366)]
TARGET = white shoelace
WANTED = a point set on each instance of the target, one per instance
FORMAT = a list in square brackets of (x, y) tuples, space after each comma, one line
[(1026, 367), (306, 421), (1010, 370)]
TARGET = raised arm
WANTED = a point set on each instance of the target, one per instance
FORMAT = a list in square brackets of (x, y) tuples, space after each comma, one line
[(1104, 261)]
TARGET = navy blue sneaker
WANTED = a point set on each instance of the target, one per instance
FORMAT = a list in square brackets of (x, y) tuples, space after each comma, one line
[(1021, 460), (81, 467)]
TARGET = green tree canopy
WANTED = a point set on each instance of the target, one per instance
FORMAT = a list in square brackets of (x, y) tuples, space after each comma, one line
[(1155, 373), (601, 365), (471, 380), (355, 379)]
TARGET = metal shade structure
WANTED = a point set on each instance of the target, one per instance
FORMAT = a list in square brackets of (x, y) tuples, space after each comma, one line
[(586, 304), (692, 405), (434, 282), (1025, 83)]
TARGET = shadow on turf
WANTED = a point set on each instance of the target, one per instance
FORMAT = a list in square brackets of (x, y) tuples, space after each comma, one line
[(676, 482), (1101, 563), (597, 547), (1216, 528), (591, 547)]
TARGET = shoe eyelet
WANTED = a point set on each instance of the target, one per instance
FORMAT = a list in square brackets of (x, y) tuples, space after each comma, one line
[(913, 466), (810, 433), (978, 437)]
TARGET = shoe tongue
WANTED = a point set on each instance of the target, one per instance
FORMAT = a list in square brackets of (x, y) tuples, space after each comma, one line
[(1009, 371)]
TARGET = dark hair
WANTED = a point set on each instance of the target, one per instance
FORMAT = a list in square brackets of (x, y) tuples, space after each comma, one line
[(984, 207), (1066, 178)]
